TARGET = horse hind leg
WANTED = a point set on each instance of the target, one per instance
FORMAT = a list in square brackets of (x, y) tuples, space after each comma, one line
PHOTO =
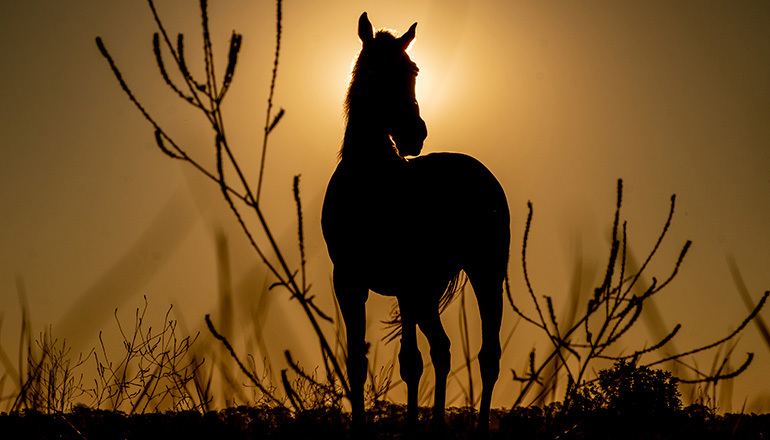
[(410, 359), (489, 295), (431, 327)]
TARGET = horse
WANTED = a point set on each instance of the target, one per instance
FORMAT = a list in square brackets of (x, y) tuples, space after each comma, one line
[(404, 225)]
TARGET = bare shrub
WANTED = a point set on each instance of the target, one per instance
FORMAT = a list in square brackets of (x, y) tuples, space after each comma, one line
[(609, 314)]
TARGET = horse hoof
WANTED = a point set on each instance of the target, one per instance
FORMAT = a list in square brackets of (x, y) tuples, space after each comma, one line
[(437, 423)]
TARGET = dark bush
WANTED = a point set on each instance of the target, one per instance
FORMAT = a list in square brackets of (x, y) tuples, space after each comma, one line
[(629, 390)]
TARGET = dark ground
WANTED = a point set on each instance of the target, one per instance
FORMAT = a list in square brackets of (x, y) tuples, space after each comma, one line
[(694, 422)]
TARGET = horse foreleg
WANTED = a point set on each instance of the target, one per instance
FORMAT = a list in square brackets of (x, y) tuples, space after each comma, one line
[(411, 362), (352, 300)]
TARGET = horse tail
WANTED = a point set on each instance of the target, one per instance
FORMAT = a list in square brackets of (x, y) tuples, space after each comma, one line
[(455, 286)]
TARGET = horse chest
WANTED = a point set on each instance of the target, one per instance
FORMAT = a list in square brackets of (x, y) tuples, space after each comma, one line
[(375, 224)]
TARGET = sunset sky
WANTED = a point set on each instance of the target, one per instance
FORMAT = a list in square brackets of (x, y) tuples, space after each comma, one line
[(559, 99)]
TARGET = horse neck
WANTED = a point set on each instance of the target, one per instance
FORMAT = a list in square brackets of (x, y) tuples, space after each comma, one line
[(368, 144)]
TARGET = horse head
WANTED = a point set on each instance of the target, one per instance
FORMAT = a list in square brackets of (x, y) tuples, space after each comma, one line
[(382, 89)]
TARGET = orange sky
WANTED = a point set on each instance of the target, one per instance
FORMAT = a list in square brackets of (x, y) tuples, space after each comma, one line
[(559, 99)]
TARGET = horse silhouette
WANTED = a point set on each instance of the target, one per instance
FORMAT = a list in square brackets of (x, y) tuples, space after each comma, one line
[(406, 226)]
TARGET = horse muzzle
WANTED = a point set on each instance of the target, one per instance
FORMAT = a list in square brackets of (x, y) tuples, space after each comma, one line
[(411, 142)]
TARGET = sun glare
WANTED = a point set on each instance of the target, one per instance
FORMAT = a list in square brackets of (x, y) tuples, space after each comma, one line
[(435, 83), (424, 87)]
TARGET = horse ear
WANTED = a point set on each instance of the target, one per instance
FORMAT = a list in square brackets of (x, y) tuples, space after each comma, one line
[(365, 31), (407, 38)]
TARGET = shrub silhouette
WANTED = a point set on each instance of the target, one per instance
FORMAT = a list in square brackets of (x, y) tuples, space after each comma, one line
[(629, 389)]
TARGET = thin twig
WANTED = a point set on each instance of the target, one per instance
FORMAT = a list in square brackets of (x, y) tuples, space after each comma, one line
[(268, 125)]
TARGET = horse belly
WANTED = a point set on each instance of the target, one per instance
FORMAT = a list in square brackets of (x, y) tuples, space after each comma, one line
[(390, 263)]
